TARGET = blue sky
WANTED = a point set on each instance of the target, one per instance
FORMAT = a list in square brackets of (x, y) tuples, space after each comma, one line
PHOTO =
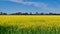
[(45, 6)]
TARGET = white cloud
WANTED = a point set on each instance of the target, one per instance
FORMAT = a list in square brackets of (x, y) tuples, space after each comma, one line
[(16, 0), (37, 4)]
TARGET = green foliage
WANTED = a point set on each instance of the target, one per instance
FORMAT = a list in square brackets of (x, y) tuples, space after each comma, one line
[(29, 30), (20, 13)]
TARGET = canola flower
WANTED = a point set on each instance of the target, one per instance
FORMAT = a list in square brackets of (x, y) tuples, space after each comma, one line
[(32, 24)]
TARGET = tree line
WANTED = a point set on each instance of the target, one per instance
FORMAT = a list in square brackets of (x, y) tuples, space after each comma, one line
[(20, 13)]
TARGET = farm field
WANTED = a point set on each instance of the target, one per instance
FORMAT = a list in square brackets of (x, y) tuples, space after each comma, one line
[(29, 24)]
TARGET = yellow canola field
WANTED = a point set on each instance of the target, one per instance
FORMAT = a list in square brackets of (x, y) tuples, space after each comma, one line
[(27, 21)]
